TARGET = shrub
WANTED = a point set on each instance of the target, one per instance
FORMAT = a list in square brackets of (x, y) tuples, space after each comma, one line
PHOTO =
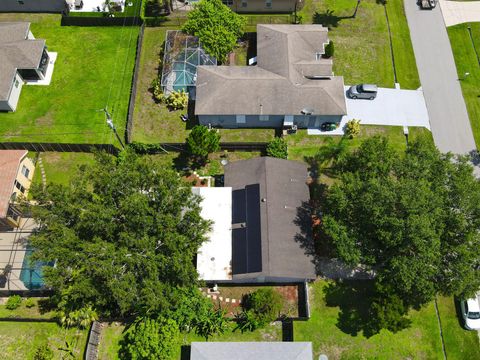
[(150, 339), (13, 302), (200, 142), (80, 318), (43, 352), (278, 148), (260, 308), (29, 303), (177, 100), (157, 90), (352, 128), (329, 49)]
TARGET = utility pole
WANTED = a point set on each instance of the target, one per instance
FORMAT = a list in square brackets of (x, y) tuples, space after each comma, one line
[(112, 126)]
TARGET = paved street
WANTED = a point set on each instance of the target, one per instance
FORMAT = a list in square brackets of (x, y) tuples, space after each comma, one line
[(446, 108)]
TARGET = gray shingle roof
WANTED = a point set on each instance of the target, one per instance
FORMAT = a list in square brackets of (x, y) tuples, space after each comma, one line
[(271, 244), (281, 83), (16, 52), (251, 351)]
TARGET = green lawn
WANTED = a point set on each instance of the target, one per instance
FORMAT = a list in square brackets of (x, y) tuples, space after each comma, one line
[(335, 330), (19, 340), (466, 61), (362, 45), (94, 69), (61, 167)]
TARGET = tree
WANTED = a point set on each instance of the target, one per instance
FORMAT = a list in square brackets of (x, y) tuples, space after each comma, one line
[(122, 236), (200, 142), (278, 148), (413, 218), (260, 308), (150, 339), (217, 27), (210, 323), (329, 49)]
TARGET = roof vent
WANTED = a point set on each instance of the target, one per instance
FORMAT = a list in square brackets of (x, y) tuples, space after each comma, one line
[(264, 199), (307, 111)]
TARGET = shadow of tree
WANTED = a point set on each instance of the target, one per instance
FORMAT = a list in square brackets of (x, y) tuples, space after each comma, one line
[(328, 19), (354, 298)]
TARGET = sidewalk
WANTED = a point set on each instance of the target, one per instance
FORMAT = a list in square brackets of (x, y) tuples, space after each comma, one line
[(458, 12)]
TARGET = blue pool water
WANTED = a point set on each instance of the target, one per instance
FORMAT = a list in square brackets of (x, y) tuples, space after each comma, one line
[(31, 274)]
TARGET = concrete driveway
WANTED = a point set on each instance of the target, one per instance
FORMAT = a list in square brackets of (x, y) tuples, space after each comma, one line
[(458, 12), (391, 107)]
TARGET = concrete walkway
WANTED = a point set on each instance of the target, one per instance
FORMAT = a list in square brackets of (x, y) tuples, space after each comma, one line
[(458, 12), (445, 104)]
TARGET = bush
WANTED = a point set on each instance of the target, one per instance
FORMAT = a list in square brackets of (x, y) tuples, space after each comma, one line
[(352, 128), (329, 49), (13, 302), (150, 339), (260, 308), (29, 303), (177, 100), (43, 352), (278, 148), (157, 90)]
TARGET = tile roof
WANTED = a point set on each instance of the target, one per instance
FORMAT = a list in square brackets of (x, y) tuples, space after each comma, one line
[(9, 163)]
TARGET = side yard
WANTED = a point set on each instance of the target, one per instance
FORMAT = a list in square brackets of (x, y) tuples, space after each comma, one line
[(466, 61), (94, 69), (335, 329)]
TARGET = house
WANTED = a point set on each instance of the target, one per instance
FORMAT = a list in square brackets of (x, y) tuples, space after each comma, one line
[(274, 350), (292, 85), (16, 174), (23, 59), (29, 6), (264, 6), (261, 225)]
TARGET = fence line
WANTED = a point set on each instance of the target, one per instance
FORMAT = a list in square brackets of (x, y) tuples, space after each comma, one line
[(159, 148), (59, 147), (91, 352), (133, 91)]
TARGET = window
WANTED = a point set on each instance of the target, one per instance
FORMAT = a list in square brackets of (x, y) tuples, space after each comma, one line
[(263, 118), (268, 4), (227, 2), (25, 171), (241, 119), (19, 187), (244, 3)]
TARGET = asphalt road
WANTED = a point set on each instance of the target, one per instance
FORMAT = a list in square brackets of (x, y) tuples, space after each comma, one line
[(438, 75)]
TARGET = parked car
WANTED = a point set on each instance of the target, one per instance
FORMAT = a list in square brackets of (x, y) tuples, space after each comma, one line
[(328, 126), (471, 313), (362, 91)]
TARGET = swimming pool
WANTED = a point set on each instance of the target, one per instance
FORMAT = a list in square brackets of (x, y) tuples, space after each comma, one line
[(31, 274)]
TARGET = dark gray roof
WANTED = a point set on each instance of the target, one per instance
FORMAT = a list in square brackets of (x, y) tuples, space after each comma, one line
[(281, 83), (47, 6), (251, 351), (16, 52), (270, 197)]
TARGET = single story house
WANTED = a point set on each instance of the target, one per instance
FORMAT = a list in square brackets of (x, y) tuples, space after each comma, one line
[(260, 222), (16, 174), (22, 59), (264, 6), (34, 6), (292, 84), (260, 350)]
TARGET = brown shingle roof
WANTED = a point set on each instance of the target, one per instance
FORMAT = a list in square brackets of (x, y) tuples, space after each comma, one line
[(9, 163)]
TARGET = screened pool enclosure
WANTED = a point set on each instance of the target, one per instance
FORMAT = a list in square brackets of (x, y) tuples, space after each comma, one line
[(183, 53)]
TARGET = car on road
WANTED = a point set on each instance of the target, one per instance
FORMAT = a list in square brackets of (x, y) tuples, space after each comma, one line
[(471, 312), (328, 126), (363, 91)]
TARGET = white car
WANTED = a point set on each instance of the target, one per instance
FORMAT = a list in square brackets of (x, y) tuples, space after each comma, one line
[(471, 313)]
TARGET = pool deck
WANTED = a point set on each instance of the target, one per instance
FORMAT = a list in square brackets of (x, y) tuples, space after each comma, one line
[(13, 245)]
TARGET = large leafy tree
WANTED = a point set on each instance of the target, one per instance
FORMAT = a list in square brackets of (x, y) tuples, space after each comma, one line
[(217, 27), (413, 218), (123, 236)]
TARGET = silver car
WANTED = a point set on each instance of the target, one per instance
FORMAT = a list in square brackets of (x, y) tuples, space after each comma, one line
[(362, 91)]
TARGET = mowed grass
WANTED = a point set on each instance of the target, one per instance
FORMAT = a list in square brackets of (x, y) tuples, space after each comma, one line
[(154, 122), (94, 69), (362, 45), (420, 341), (466, 61)]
